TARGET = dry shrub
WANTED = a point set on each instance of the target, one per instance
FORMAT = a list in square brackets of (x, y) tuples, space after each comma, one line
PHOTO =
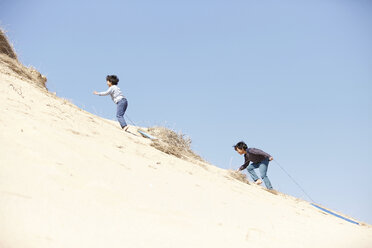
[(238, 176), (8, 58), (170, 142), (5, 46)]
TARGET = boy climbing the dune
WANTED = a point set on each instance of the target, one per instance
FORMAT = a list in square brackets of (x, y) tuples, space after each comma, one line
[(259, 159), (118, 98)]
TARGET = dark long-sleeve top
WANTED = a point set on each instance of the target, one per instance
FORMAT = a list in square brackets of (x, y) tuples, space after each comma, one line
[(254, 155)]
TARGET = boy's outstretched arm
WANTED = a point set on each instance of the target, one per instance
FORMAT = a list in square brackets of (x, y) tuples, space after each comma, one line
[(105, 93)]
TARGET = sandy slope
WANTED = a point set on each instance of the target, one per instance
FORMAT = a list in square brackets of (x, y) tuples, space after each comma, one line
[(71, 179)]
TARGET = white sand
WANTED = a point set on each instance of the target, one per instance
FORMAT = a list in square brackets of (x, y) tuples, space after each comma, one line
[(72, 179)]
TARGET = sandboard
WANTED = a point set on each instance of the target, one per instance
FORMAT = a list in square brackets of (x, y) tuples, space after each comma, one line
[(337, 215), (146, 135)]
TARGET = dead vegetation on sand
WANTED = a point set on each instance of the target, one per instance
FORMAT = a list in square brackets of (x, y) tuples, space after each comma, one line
[(8, 58), (6, 47), (238, 176), (173, 143)]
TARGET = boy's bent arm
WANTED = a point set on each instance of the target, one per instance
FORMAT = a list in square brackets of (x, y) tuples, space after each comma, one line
[(245, 165), (259, 152)]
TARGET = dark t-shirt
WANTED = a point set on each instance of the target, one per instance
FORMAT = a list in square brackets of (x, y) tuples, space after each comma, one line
[(254, 155)]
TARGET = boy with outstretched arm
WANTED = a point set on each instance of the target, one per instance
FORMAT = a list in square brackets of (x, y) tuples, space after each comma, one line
[(117, 97)]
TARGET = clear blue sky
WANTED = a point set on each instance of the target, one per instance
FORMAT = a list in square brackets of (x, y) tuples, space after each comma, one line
[(293, 78)]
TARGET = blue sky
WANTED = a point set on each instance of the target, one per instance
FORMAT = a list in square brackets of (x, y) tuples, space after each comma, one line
[(293, 78)]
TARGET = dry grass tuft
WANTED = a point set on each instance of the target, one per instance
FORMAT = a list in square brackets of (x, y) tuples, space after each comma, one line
[(176, 144), (5, 46), (238, 176), (8, 58)]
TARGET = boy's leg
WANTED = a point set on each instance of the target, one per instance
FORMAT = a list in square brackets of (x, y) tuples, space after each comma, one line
[(263, 171), (121, 108), (251, 171)]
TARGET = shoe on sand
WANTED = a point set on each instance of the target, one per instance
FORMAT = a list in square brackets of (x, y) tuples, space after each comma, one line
[(258, 181)]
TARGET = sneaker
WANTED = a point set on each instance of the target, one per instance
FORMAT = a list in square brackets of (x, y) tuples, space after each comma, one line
[(258, 181)]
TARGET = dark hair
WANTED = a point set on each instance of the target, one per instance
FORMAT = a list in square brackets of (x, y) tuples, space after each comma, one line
[(113, 79), (241, 145)]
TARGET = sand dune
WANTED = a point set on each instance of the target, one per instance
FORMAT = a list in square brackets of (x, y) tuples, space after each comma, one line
[(71, 179)]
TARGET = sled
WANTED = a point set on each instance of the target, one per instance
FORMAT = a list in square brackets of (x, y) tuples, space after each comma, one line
[(337, 215), (146, 135)]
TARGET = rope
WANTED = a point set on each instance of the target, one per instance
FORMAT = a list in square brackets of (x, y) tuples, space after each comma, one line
[(130, 120), (294, 181)]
